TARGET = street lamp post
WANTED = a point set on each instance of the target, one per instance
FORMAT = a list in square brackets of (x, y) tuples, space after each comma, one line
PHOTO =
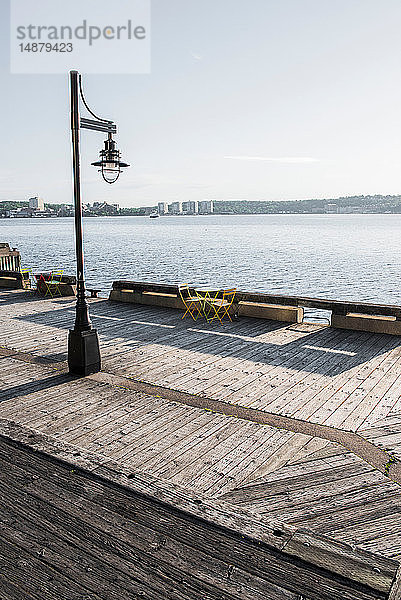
[(83, 341)]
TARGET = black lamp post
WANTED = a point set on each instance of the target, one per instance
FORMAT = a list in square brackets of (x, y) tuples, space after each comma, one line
[(83, 340)]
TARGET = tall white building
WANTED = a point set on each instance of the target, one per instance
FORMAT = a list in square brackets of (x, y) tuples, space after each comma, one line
[(175, 208), (190, 207), (162, 208), (205, 207), (36, 203)]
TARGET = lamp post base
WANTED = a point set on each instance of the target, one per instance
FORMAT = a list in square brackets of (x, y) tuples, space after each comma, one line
[(83, 352)]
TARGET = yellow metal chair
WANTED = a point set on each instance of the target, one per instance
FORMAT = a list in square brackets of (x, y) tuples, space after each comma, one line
[(220, 307), (192, 303), (28, 278), (53, 283)]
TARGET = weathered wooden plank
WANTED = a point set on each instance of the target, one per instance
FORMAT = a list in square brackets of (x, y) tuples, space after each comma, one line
[(327, 506), (83, 411), (235, 354), (303, 483), (317, 548), (286, 382), (335, 395), (355, 513), (292, 470), (379, 526), (387, 545), (72, 524), (349, 414), (387, 402), (303, 400), (208, 459), (273, 361), (227, 365), (175, 455), (76, 515), (110, 499), (395, 593), (12, 592), (116, 550), (37, 580), (261, 452), (135, 439), (147, 415), (162, 448), (116, 472), (356, 479), (266, 464), (205, 351)]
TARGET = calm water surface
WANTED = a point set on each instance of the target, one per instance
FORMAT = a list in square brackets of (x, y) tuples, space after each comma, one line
[(332, 256)]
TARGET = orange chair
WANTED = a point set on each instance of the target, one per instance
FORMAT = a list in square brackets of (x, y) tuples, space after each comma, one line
[(41, 284)]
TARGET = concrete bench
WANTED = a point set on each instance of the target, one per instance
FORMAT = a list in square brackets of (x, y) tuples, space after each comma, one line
[(274, 312), (11, 282), (159, 294), (370, 323), (93, 293), (149, 298)]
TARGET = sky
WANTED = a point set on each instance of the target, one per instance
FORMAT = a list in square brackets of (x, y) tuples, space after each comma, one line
[(256, 100)]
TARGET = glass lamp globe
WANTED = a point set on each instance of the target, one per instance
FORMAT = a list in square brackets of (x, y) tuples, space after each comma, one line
[(110, 161)]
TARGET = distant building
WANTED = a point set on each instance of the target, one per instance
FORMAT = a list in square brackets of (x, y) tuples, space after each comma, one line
[(332, 208), (21, 212), (27, 213), (347, 210), (205, 207), (162, 208), (175, 208), (147, 210), (102, 209), (36, 203), (190, 207), (65, 210)]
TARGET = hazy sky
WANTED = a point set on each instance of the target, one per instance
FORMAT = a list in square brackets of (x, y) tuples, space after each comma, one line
[(263, 99)]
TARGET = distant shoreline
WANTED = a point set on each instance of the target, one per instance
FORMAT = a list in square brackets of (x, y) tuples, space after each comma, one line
[(215, 214), (376, 204)]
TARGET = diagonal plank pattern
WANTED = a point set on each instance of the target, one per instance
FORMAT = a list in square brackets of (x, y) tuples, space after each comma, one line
[(345, 380), (340, 378), (330, 492)]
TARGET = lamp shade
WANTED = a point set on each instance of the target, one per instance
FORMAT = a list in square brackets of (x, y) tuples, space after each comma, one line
[(110, 161)]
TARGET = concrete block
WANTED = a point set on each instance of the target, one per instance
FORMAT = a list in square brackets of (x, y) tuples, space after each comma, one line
[(66, 289), (11, 283), (160, 294), (148, 298), (274, 312), (371, 323)]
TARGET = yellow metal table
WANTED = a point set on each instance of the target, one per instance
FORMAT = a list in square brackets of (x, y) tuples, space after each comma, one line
[(206, 296)]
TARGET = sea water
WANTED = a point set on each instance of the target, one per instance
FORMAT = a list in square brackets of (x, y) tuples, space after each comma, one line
[(354, 257)]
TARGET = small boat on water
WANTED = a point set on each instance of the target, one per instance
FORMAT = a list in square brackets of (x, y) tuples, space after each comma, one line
[(154, 215)]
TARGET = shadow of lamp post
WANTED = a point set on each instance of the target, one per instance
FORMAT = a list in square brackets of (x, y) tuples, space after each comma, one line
[(83, 340)]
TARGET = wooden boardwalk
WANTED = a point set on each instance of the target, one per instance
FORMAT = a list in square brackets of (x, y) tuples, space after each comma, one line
[(325, 385)]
